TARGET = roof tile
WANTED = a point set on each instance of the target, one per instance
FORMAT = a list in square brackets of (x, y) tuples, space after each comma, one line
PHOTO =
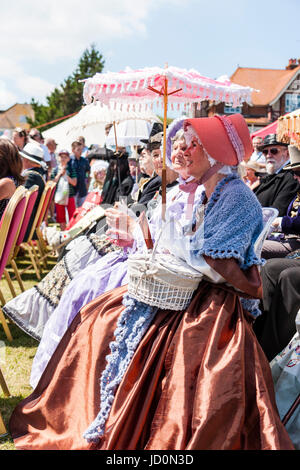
[(270, 82)]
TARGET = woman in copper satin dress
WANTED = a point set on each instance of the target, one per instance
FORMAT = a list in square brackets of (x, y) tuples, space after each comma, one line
[(197, 379)]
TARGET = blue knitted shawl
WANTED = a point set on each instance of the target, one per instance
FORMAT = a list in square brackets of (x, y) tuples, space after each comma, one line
[(232, 222)]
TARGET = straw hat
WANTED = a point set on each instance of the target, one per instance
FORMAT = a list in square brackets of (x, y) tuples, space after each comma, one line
[(225, 138), (294, 158), (255, 166), (34, 153)]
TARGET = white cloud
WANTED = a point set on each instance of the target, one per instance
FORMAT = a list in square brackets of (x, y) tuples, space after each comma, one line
[(26, 85), (51, 30), (7, 98), (34, 86), (34, 34)]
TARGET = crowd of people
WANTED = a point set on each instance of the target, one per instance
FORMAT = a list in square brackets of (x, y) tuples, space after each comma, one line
[(164, 332)]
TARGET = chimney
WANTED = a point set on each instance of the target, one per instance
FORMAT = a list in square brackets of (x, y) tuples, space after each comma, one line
[(292, 64)]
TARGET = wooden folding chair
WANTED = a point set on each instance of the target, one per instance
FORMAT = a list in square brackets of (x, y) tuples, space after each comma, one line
[(10, 224), (32, 194), (41, 243), (28, 245), (6, 392)]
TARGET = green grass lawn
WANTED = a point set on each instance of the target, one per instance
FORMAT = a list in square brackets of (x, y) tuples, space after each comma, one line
[(18, 355)]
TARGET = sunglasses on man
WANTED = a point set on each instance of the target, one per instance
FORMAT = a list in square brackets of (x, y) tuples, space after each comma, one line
[(272, 151)]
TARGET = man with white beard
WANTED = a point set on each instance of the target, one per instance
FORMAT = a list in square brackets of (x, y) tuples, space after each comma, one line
[(278, 187)]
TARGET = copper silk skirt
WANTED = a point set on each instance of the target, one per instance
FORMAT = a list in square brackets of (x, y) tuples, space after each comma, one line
[(197, 381)]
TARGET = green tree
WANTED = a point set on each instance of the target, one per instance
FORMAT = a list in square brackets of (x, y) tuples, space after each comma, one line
[(68, 97)]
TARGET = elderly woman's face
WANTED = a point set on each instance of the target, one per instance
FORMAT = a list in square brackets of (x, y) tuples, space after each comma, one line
[(196, 161), (177, 157), (157, 161)]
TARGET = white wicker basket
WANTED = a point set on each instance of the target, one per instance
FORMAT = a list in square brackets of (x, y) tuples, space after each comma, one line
[(161, 280)]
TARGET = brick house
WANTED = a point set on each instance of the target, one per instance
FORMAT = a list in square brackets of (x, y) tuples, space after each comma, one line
[(279, 93), (15, 116)]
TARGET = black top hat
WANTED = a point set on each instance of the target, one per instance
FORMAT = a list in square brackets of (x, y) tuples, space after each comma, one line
[(270, 139), (140, 149), (156, 128)]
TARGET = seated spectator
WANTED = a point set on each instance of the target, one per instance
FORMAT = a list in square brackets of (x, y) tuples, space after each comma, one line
[(94, 196), (286, 230), (125, 369), (142, 175), (150, 181), (19, 137), (64, 173), (286, 376), (134, 168), (98, 175), (95, 275), (281, 302), (278, 187), (251, 173), (10, 172), (34, 169), (145, 163)]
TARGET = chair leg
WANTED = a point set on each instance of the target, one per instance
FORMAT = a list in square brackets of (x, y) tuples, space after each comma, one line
[(6, 392), (36, 253), (2, 299), (4, 385), (34, 264), (17, 274), (5, 326), (3, 430), (9, 282), (43, 254)]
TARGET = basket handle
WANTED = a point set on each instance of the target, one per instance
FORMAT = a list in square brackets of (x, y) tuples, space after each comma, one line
[(160, 234)]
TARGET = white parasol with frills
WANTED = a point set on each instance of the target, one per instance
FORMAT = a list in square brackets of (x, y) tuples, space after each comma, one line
[(138, 90)]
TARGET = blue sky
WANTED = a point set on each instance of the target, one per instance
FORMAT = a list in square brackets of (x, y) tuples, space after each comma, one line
[(41, 42)]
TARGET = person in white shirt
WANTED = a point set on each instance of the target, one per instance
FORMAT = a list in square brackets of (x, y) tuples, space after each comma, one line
[(85, 149), (257, 155)]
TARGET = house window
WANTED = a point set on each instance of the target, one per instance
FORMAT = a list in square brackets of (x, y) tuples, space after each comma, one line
[(22, 118), (230, 110), (292, 102)]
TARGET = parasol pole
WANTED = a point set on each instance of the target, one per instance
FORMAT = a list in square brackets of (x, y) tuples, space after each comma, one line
[(164, 171), (118, 163), (135, 147), (165, 95), (114, 124), (137, 163)]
